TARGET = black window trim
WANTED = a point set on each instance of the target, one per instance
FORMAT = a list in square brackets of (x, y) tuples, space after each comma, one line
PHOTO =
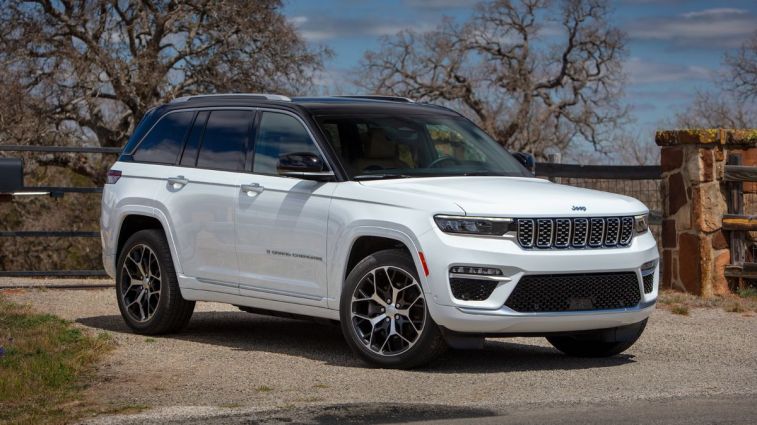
[(317, 137), (186, 140)]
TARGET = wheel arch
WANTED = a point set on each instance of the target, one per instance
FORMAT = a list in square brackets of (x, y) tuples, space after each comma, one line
[(366, 240), (133, 223)]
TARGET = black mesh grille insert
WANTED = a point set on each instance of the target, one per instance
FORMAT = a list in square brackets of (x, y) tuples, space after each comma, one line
[(574, 292), (472, 289), (648, 283)]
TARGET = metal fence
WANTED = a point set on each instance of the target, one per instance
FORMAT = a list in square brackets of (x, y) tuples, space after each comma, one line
[(642, 183)]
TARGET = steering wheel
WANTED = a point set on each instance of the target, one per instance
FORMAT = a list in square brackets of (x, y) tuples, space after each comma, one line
[(441, 160)]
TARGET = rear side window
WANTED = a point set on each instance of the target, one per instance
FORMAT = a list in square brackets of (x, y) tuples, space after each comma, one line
[(279, 134), (189, 157), (163, 143), (224, 145)]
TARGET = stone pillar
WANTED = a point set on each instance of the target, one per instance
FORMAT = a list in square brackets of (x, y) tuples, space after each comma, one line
[(695, 250)]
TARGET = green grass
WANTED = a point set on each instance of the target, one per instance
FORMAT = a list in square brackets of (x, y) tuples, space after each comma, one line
[(46, 360), (263, 389), (748, 292), (679, 309)]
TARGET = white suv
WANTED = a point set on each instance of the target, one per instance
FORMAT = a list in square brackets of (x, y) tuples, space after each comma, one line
[(403, 221)]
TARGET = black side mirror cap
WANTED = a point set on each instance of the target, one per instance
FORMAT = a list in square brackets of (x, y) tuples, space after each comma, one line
[(303, 165), (527, 160)]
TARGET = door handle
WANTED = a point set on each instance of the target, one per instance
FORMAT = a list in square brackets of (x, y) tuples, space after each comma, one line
[(252, 188), (178, 182)]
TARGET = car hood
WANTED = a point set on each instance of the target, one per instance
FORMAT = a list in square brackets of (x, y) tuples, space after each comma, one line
[(511, 196)]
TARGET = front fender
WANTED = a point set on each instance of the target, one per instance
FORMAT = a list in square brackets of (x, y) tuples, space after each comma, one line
[(345, 242)]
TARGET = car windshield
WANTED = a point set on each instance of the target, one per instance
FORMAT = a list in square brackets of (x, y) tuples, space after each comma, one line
[(384, 146)]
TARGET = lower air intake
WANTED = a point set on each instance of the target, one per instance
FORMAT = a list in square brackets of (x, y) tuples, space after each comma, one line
[(648, 283), (472, 289), (575, 292)]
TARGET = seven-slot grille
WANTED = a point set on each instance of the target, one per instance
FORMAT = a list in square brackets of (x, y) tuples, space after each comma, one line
[(597, 232)]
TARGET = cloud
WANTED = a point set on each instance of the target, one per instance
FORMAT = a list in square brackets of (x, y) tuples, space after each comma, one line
[(716, 27), (441, 4), (323, 28), (641, 71)]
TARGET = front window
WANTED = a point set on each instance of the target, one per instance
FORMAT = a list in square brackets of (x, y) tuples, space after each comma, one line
[(383, 146)]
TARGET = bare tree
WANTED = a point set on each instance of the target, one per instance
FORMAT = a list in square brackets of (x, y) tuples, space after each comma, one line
[(84, 72), (735, 105), (716, 110), (533, 74), (743, 70)]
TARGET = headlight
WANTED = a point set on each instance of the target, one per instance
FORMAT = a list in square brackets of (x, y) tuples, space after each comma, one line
[(484, 226), (641, 223)]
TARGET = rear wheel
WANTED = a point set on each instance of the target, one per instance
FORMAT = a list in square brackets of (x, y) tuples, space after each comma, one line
[(601, 343), (384, 315), (146, 286)]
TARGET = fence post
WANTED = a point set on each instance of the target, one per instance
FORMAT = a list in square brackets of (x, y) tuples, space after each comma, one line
[(554, 158), (695, 251)]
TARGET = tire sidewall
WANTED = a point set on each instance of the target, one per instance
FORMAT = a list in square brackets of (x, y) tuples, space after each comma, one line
[(413, 356)]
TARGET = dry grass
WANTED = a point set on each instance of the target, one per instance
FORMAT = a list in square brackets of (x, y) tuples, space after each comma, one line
[(43, 365), (744, 301)]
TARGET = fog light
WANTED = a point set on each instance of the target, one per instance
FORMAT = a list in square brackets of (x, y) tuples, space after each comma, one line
[(481, 271), (648, 267)]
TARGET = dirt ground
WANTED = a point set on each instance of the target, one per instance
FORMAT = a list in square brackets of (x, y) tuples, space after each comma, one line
[(227, 360)]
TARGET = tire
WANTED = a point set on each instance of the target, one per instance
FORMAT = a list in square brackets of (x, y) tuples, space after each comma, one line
[(596, 344), (368, 321), (145, 267)]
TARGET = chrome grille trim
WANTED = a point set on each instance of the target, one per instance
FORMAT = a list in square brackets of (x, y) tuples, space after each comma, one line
[(544, 237), (577, 233), (526, 233)]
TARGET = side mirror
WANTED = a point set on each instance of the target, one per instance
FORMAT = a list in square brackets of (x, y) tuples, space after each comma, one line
[(303, 165), (527, 160)]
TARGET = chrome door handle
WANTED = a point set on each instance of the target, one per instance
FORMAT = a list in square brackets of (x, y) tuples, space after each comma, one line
[(178, 182), (251, 188)]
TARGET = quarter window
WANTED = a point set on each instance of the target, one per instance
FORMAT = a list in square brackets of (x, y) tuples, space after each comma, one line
[(279, 134), (163, 144), (224, 145)]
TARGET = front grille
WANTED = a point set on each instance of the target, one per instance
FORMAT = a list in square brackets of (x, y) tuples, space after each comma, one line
[(648, 283), (561, 233), (472, 289), (575, 292)]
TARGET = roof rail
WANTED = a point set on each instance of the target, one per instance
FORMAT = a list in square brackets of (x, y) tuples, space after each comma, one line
[(380, 97), (265, 96)]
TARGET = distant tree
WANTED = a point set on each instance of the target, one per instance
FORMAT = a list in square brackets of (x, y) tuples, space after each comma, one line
[(84, 72), (743, 70), (735, 104), (533, 73)]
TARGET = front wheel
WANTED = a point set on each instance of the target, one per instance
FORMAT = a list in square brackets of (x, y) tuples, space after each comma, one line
[(602, 343), (384, 314)]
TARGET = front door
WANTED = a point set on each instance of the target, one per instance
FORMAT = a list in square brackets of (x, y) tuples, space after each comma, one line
[(282, 221)]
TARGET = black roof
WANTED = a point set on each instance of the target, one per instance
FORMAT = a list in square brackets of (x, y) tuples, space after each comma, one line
[(314, 105)]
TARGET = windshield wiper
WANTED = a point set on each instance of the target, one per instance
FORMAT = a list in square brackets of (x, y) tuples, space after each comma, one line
[(381, 176), (484, 173)]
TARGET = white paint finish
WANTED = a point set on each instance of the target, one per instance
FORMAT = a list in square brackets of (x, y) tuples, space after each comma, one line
[(201, 216), (510, 196), (281, 237), (310, 220)]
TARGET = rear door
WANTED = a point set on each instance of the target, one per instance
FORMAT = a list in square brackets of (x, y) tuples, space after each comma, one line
[(282, 221), (201, 195)]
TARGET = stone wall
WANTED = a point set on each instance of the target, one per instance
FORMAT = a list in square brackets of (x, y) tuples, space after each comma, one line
[(695, 250)]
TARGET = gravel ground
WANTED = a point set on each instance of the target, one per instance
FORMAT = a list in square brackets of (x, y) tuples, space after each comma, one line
[(230, 362)]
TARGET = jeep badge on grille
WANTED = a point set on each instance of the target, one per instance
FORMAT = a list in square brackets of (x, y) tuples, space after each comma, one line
[(578, 208)]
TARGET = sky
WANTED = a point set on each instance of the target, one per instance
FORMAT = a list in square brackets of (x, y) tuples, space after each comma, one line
[(674, 47)]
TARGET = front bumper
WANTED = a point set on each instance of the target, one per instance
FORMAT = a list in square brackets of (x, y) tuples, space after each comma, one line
[(491, 316)]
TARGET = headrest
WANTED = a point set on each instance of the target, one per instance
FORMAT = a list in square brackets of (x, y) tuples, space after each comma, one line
[(378, 146)]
